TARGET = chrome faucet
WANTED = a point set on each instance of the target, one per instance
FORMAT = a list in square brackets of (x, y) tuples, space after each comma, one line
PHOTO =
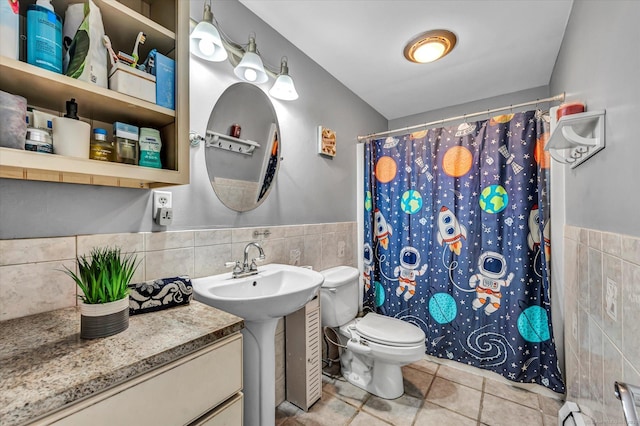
[(247, 268)]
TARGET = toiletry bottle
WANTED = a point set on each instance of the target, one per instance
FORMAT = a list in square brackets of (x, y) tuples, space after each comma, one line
[(101, 149), (44, 36), (71, 137), (150, 145)]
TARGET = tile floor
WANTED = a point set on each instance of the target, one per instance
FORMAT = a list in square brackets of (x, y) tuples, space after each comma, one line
[(435, 394)]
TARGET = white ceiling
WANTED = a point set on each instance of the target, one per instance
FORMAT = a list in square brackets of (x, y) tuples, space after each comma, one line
[(503, 46)]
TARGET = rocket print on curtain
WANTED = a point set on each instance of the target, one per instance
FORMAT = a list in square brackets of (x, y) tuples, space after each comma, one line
[(457, 242)]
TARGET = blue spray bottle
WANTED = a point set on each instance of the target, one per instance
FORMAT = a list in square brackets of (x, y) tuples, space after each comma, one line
[(44, 36)]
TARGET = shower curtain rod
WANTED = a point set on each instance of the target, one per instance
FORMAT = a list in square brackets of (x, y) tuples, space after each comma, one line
[(556, 98)]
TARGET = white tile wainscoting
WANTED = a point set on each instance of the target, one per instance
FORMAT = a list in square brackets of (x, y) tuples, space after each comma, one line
[(602, 316)]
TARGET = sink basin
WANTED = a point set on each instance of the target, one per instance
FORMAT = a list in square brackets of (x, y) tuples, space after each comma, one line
[(277, 290)]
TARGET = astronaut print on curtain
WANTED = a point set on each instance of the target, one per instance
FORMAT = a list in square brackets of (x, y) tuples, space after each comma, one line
[(457, 242)]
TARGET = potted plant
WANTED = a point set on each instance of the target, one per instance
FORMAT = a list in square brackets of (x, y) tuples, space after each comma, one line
[(103, 277)]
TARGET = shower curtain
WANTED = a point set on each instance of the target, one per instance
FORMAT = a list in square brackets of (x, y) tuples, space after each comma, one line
[(457, 242)]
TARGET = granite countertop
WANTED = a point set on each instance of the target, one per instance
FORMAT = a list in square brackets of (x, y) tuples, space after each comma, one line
[(44, 365)]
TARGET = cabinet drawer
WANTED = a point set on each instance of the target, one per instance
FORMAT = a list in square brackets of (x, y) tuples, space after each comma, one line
[(228, 414), (173, 395)]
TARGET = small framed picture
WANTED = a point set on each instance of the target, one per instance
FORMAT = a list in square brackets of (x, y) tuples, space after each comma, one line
[(326, 141)]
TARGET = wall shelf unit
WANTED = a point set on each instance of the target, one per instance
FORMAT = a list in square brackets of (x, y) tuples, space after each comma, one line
[(577, 137), (230, 143), (166, 25)]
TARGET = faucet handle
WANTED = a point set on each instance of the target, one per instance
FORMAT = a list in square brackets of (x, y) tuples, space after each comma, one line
[(235, 265), (255, 261)]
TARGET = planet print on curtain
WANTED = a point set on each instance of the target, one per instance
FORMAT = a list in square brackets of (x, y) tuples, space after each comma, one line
[(457, 242)]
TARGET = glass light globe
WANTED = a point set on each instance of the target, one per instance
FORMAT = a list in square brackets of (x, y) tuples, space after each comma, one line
[(250, 74), (429, 52), (206, 47)]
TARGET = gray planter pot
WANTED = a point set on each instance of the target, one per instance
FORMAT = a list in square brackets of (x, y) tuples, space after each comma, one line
[(105, 319)]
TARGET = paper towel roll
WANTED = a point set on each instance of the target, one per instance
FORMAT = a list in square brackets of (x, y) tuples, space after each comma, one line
[(71, 137)]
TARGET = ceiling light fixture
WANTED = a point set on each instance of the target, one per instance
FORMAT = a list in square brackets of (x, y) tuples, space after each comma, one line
[(205, 39), (430, 46), (209, 42), (284, 88)]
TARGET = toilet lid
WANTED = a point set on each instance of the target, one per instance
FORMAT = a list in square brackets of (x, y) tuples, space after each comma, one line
[(387, 330)]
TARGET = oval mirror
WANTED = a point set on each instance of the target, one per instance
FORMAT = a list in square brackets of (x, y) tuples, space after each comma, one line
[(242, 148)]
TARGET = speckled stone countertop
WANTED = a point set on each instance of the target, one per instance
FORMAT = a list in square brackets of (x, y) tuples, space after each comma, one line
[(44, 365)]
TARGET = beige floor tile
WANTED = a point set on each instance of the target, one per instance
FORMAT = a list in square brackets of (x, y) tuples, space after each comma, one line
[(456, 397), (330, 410), (345, 391), (416, 382), (286, 411), (511, 393), (434, 415), (459, 376), (425, 365), (500, 412), (399, 412), (364, 419)]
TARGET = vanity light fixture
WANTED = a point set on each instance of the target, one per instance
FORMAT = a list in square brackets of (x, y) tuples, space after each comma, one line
[(250, 68), (209, 42), (430, 46), (205, 41), (284, 88)]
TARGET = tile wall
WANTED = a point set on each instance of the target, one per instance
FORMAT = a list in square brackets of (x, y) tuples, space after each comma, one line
[(602, 319), (32, 281)]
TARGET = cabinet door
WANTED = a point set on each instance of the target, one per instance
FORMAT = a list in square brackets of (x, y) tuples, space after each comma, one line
[(173, 395), (228, 414), (304, 352)]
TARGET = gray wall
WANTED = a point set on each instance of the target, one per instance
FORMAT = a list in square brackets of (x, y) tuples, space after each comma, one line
[(309, 188), (476, 106), (599, 64)]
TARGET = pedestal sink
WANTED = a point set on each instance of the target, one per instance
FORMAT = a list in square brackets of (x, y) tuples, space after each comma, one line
[(261, 300)]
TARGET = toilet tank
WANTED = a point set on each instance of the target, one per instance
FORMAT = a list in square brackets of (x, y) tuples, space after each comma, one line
[(339, 295)]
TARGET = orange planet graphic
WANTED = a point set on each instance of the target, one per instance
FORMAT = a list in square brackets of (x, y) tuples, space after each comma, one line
[(541, 156), (498, 119), (418, 135), (386, 169), (457, 161)]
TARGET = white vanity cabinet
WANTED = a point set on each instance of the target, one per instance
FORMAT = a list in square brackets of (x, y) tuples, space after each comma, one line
[(202, 388)]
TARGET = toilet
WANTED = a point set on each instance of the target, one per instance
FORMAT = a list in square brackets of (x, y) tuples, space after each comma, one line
[(375, 347)]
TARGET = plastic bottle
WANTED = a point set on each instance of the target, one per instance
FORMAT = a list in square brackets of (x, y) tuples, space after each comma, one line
[(44, 36), (101, 149), (150, 146)]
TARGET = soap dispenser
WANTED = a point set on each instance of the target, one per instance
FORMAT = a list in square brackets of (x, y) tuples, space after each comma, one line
[(71, 137)]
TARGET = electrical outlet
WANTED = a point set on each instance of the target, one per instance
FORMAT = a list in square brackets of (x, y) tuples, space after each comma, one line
[(161, 199), (164, 216)]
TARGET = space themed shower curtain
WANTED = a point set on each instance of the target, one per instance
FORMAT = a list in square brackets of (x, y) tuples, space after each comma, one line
[(457, 242)]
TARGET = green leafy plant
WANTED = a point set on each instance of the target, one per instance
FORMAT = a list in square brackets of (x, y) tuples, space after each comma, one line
[(104, 275)]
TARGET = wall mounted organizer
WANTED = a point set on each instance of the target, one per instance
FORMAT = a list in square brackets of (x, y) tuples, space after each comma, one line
[(577, 137), (226, 142)]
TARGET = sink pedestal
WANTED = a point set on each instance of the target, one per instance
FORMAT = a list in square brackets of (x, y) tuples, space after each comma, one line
[(259, 372)]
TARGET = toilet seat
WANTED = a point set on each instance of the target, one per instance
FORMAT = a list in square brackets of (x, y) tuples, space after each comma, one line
[(389, 331)]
